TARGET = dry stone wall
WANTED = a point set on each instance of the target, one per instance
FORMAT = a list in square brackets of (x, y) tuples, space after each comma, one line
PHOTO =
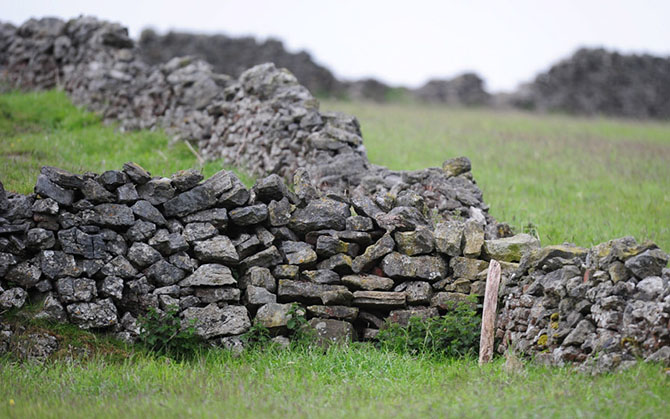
[(265, 120), (99, 250), (354, 243)]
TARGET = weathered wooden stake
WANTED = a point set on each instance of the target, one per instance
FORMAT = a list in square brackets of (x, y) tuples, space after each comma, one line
[(489, 313)]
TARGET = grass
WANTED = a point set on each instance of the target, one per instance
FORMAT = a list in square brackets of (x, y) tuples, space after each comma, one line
[(44, 128), (581, 180), (345, 382)]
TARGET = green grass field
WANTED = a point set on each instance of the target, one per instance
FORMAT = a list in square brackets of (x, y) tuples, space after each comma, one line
[(580, 180)]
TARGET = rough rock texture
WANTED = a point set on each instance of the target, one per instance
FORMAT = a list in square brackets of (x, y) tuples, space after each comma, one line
[(603, 307)]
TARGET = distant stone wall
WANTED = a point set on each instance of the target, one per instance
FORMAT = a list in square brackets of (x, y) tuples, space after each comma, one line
[(233, 56), (597, 81), (466, 89)]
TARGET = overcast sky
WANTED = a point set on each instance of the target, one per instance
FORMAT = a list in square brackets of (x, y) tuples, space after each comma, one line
[(400, 42)]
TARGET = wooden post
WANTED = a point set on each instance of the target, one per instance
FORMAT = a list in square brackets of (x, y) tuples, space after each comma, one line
[(489, 313)]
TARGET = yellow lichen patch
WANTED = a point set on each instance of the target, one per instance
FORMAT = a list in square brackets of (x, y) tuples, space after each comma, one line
[(542, 341)]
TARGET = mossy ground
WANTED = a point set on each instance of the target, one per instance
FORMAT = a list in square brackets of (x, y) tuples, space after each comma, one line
[(580, 180)]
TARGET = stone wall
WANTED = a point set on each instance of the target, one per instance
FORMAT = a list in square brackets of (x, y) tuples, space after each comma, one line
[(233, 56), (98, 250), (354, 243), (264, 121), (604, 307), (466, 89), (597, 81)]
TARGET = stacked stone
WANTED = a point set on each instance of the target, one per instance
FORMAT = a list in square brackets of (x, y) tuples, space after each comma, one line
[(603, 307), (264, 121), (100, 250)]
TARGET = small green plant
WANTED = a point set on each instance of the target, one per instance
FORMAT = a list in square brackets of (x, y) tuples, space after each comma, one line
[(456, 334), (163, 334), (258, 336), (300, 332)]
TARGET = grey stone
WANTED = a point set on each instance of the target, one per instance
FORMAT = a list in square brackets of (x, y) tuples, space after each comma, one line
[(401, 219), (373, 253), (359, 223), (579, 334), (192, 201), (96, 193), (473, 238), (112, 286), (55, 264), (157, 191), (327, 246), (164, 273), (45, 206), (279, 212), (250, 215), (399, 266), (417, 292), (334, 312), (331, 332), (298, 253), (402, 316), (273, 316), (417, 242), (93, 315), (648, 263), (167, 302), (145, 211), (264, 236), (40, 239), (456, 166), (381, 300), (218, 217), (266, 258), (237, 196), (46, 188), (183, 261), (13, 298), (119, 266), (286, 271), (141, 231), (217, 249), (36, 346), (510, 249), (211, 274), (184, 180), (215, 294), (143, 255), (320, 214), (212, 321), (26, 274), (111, 215), (112, 179), (258, 277), (650, 288), (306, 292), (127, 194), (168, 243), (368, 282), (339, 263), (258, 296), (467, 268), (270, 188), (136, 173), (72, 290), (199, 231), (320, 276), (662, 355), (7, 260)]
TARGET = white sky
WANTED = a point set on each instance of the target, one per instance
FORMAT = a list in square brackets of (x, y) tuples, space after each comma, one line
[(400, 42)]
